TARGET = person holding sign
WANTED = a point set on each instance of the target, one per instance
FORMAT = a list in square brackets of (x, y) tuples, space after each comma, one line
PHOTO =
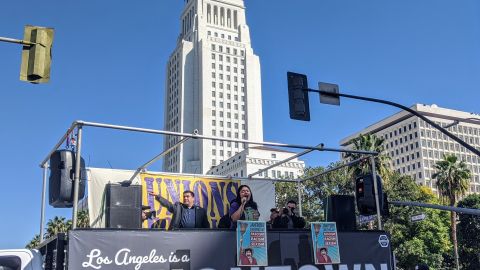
[(243, 207)]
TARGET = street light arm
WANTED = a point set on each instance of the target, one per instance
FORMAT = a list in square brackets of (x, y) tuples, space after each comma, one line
[(439, 128), (18, 41)]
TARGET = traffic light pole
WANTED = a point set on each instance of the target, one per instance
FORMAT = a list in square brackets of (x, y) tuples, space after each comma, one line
[(375, 190), (439, 128)]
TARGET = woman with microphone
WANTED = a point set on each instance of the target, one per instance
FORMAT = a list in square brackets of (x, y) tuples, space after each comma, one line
[(243, 207)]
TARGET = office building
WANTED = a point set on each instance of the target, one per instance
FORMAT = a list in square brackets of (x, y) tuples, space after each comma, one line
[(414, 146), (253, 159)]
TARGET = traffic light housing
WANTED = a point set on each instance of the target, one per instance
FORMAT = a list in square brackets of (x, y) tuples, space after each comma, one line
[(365, 195), (37, 57), (298, 96)]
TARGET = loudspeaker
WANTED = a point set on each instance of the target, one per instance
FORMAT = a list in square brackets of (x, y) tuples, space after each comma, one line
[(341, 209), (62, 173), (123, 206), (53, 252)]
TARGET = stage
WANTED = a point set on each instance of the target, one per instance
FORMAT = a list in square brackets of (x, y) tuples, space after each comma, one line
[(215, 250)]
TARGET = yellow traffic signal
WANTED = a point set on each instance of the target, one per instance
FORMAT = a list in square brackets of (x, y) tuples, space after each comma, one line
[(36, 57)]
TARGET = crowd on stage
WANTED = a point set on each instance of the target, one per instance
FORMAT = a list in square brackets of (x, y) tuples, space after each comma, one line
[(187, 215)]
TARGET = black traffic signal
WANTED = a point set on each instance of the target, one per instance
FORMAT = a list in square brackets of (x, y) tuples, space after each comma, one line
[(298, 96), (365, 195), (36, 58)]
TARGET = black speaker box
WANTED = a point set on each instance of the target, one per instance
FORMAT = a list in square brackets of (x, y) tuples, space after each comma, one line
[(341, 209), (62, 173), (123, 206)]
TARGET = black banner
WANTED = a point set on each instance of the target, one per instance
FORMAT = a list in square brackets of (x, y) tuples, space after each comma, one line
[(216, 250)]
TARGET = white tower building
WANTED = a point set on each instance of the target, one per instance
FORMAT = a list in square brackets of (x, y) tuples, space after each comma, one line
[(213, 84)]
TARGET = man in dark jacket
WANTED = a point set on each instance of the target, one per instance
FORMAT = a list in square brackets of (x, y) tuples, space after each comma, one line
[(186, 214), (288, 219)]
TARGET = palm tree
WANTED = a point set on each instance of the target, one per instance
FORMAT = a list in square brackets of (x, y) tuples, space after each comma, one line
[(370, 142), (56, 225), (452, 182), (34, 242), (83, 221)]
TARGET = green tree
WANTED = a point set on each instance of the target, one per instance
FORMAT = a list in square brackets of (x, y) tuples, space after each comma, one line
[(370, 142), (314, 190), (425, 241), (56, 225), (83, 220), (61, 225), (452, 182), (34, 242), (469, 234)]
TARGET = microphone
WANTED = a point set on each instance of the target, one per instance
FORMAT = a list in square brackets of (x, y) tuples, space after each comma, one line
[(244, 200)]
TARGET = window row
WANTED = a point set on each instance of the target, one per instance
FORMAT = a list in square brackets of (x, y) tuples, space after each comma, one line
[(229, 134), (229, 69), (215, 34), (229, 124), (228, 50), (455, 128), (228, 96), (399, 131), (229, 115)]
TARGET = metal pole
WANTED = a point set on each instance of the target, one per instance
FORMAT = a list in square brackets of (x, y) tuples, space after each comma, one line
[(18, 41), (141, 168), (299, 197), (60, 142), (283, 161), (76, 185), (375, 188), (336, 168), (42, 210), (437, 127), (196, 136), (468, 211)]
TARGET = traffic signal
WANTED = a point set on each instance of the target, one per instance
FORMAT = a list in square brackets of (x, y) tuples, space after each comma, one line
[(36, 58), (365, 195), (298, 96)]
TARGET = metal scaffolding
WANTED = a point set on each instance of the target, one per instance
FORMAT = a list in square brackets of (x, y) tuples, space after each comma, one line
[(78, 126)]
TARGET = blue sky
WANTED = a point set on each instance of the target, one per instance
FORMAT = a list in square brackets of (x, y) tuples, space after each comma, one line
[(109, 66)]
